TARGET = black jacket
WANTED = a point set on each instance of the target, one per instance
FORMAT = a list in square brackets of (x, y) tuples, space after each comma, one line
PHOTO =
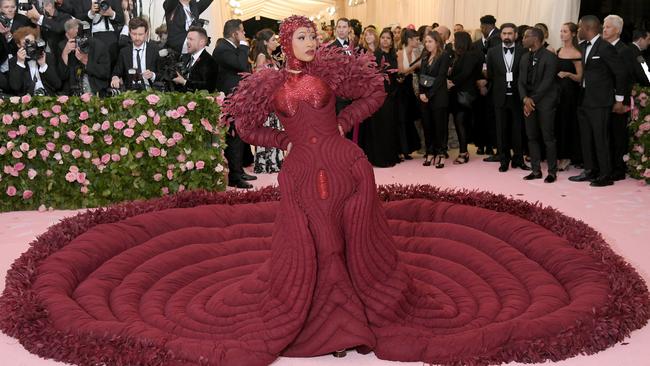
[(232, 61), (203, 74), (98, 68), (493, 40), (52, 30), (626, 55), (639, 74), (496, 70), (544, 87), (175, 17), (465, 70), (84, 6), (604, 74), (10, 48), (125, 60), (21, 81), (437, 94)]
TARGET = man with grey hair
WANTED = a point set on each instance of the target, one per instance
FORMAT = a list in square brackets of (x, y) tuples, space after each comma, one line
[(612, 28), (51, 21), (445, 34)]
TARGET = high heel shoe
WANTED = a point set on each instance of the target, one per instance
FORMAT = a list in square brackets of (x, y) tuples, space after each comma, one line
[(339, 354), (462, 158), (427, 161), (440, 161)]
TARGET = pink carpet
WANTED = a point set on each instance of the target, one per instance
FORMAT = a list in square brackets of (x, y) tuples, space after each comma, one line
[(620, 213)]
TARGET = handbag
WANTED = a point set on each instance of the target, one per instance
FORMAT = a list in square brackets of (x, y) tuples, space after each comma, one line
[(465, 99), (427, 81)]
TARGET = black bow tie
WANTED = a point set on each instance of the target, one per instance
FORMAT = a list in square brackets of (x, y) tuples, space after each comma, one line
[(588, 43), (346, 43), (509, 49)]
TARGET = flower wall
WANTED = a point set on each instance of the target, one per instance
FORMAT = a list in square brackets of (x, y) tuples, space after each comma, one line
[(74, 152), (638, 158)]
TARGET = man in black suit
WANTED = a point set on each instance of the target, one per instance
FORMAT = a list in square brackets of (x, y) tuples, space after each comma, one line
[(140, 56), (538, 91), (32, 74), (105, 23), (342, 33), (180, 16), (603, 84), (503, 74), (491, 37), (8, 47), (619, 135), (84, 69), (640, 42), (231, 54), (202, 74), (50, 20)]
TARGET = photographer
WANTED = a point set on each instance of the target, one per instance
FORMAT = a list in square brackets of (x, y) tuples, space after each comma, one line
[(202, 68), (10, 21), (180, 15), (107, 19), (85, 64), (51, 21), (29, 72), (140, 56)]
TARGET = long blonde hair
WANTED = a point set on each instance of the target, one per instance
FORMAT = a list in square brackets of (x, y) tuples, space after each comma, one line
[(363, 42)]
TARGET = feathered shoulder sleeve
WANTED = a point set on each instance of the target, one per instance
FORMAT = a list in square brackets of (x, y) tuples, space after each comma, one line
[(249, 106), (354, 77)]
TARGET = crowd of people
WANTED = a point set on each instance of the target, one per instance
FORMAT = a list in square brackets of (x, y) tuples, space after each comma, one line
[(506, 90)]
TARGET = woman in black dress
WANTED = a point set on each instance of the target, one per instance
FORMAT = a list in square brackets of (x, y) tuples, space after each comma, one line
[(407, 104), (465, 70), (434, 98), (570, 76), (378, 138)]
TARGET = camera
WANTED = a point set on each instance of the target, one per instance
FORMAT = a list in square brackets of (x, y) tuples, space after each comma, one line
[(34, 49), (6, 22), (83, 37), (169, 65), (26, 5), (110, 92), (134, 81), (103, 5), (200, 23)]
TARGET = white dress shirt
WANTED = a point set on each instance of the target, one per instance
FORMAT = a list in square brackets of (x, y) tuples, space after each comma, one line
[(98, 23), (34, 72)]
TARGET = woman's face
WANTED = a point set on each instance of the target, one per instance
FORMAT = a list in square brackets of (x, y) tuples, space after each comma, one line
[(304, 44), (565, 33), (272, 43), (385, 40), (413, 42), (370, 38), (430, 44)]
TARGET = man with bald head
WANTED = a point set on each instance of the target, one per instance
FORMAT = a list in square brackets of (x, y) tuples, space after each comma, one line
[(603, 87), (445, 34)]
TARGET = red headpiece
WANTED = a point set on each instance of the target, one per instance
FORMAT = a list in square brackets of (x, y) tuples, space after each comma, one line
[(287, 28)]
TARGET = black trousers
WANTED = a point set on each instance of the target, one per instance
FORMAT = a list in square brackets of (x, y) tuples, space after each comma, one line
[(619, 142), (594, 135), (434, 124), (509, 126), (234, 153), (483, 123), (462, 117), (540, 126)]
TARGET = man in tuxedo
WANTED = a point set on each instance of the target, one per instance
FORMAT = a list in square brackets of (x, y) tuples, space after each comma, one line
[(50, 20), (140, 56), (619, 135), (83, 69), (202, 67), (503, 75), (342, 39), (640, 42), (231, 54), (180, 15), (603, 85), (32, 74), (538, 91), (8, 47)]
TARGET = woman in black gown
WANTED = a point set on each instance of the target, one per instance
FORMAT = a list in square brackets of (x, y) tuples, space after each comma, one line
[(570, 75), (407, 103)]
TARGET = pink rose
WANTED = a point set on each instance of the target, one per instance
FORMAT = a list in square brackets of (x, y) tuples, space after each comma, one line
[(189, 165), (7, 119), (106, 158), (191, 105), (124, 151), (44, 154), (3, 150), (103, 111), (139, 140), (181, 187), (142, 119), (17, 154), (188, 127), (65, 148), (84, 190), (181, 110), (56, 135), (83, 116), (10, 145), (32, 154), (57, 108), (157, 134), (156, 119), (97, 127), (50, 146), (11, 191), (157, 177), (171, 142), (32, 174), (96, 161), (57, 156), (154, 151), (119, 125), (152, 99), (177, 136), (116, 157), (54, 121), (145, 134), (27, 194), (46, 114), (206, 124), (181, 158), (74, 169), (129, 132), (76, 153), (84, 129), (71, 177), (139, 155), (19, 167), (71, 135), (85, 97), (170, 175), (64, 118), (62, 99), (127, 103), (26, 99), (164, 190), (22, 129), (106, 125), (12, 134), (200, 165), (49, 173), (151, 113), (646, 173), (220, 98), (40, 130), (15, 115), (174, 114), (86, 154), (131, 123), (87, 139), (24, 147)]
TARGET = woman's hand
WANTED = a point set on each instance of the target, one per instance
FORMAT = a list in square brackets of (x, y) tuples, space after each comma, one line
[(424, 98)]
